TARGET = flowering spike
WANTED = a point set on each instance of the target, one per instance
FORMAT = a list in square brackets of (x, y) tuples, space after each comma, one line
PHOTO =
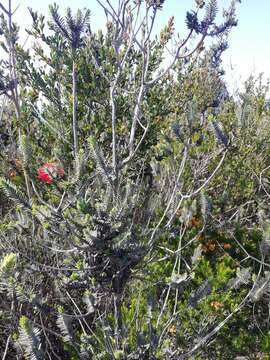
[(50, 172)]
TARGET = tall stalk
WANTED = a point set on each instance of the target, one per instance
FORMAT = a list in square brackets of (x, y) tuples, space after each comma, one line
[(72, 29), (74, 107)]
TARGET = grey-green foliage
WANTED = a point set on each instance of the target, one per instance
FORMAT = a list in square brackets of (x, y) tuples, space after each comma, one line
[(219, 133), (64, 323), (11, 192), (100, 161), (206, 206), (243, 276), (25, 151), (29, 339), (261, 288), (71, 27)]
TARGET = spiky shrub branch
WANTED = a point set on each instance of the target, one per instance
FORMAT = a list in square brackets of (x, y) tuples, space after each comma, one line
[(10, 30), (129, 34), (29, 339), (72, 29)]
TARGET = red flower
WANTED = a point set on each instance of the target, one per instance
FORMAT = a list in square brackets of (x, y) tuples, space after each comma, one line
[(50, 172)]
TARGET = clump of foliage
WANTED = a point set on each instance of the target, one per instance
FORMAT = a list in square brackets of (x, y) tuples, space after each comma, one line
[(134, 195)]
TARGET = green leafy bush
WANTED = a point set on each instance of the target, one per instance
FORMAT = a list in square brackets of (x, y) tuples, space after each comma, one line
[(134, 196)]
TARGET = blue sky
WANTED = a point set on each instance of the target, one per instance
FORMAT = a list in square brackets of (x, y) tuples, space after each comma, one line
[(249, 50)]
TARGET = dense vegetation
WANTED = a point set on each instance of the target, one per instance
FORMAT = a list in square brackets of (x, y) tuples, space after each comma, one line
[(134, 195)]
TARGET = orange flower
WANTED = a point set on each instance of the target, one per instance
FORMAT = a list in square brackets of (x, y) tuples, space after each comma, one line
[(216, 305), (195, 221), (227, 246), (12, 173)]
